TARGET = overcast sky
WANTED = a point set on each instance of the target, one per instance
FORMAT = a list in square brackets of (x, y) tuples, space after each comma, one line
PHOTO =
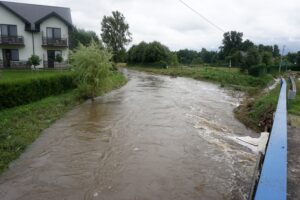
[(170, 22)]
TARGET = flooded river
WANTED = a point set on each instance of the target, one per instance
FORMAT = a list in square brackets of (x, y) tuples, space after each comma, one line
[(156, 138)]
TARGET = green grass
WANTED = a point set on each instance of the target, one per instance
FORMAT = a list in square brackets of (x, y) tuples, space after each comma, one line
[(294, 104), (20, 126), (257, 112), (21, 75)]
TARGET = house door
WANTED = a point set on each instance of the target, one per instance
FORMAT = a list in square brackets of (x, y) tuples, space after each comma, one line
[(51, 58), (6, 57)]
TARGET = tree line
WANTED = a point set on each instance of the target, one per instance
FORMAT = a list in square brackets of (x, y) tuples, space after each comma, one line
[(234, 51)]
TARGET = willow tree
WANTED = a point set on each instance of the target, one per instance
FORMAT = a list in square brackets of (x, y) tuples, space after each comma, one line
[(92, 65)]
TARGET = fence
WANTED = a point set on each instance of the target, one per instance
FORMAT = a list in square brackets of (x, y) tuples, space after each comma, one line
[(272, 183)]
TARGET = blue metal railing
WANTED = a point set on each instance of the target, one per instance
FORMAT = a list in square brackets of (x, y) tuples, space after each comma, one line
[(272, 183)]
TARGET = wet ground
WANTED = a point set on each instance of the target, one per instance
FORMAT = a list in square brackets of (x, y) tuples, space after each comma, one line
[(293, 163), (155, 138)]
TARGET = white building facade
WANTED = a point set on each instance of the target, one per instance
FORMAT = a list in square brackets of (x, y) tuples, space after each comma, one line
[(27, 29)]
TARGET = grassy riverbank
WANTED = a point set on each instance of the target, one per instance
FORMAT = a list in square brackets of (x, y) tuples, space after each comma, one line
[(20, 126), (294, 108), (256, 111)]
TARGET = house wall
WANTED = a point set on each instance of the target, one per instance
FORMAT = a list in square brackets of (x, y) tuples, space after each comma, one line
[(6, 17), (53, 22)]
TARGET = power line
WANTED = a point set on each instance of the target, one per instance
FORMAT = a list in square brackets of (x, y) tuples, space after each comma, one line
[(202, 16)]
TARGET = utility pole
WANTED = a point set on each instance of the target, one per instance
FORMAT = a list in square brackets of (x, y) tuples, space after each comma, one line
[(280, 64)]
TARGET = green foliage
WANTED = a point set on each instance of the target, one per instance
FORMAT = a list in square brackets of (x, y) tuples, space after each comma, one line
[(173, 60), (156, 52), (258, 70), (266, 58), (14, 93), (91, 65), (115, 34), (257, 112), (151, 53), (34, 60), (59, 58), (188, 57), (252, 58), (232, 41), (276, 51), (81, 36)]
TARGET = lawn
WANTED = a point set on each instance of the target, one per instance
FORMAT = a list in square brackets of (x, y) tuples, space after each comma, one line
[(21, 75)]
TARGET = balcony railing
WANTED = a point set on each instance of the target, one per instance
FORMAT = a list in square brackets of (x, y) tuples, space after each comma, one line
[(12, 40), (57, 65), (55, 42), (14, 64)]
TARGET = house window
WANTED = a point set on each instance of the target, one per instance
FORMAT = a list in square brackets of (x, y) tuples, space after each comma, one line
[(53, 33), (15, 55), (8, 30)]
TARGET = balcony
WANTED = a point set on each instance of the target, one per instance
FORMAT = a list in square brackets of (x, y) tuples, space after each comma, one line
[(55, 42), (12, 40)]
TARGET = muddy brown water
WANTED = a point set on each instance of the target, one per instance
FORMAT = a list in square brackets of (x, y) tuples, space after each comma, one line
[(156, 138)]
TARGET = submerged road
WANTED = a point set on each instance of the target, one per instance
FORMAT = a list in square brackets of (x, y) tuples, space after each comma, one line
[(155, 138)]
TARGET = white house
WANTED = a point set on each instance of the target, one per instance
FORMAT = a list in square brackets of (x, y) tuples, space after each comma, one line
[(28, 29)]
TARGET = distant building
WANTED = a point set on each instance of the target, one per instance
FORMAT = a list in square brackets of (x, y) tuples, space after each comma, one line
[(27, 29)]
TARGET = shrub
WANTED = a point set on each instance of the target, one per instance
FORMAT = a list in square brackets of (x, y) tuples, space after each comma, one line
[(59, 58), (258, 70), (34, 60), (14, 93), (92, 65)]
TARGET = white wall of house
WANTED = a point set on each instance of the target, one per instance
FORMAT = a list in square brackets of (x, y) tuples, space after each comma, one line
[(6, 17), (52, 22)]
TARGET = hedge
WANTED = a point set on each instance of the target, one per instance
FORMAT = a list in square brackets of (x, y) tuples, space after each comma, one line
[(15, 93)]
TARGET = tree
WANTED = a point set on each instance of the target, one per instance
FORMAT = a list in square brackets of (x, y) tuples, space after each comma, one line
[(247, 44), (92, 65), (136, 53), (298, 59), (292, 57), (115, 34), (156, 52), (82, 36), (276, 51), (266, 58), (186, 56), (232, 41), (252, 58), (34, 61)]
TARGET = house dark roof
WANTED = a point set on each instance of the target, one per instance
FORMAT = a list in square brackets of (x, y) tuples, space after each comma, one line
[(36, 14)]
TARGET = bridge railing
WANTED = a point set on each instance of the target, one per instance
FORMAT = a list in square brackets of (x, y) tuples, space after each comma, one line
[(272, 182)]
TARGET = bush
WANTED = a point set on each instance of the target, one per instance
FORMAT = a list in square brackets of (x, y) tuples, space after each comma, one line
[(258, 70), (15, 93), (59, 58), (92, 65), (34, 60)]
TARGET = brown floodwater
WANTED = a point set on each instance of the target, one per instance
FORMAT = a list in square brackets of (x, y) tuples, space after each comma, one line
[(155, 138)]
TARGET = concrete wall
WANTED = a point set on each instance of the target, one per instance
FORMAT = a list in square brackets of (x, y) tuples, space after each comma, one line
[(6, 17)]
